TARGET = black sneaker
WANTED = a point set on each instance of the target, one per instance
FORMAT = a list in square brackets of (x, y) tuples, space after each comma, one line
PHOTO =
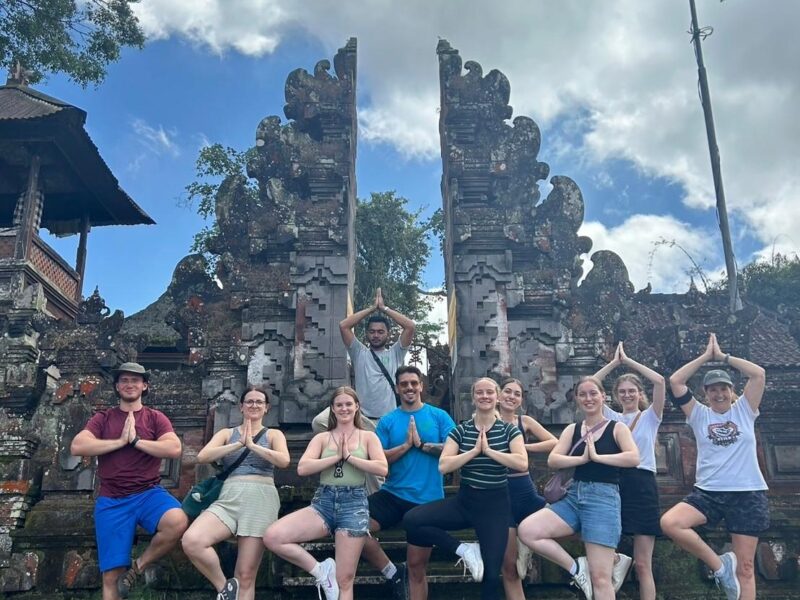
[(230, 591), (127, 581), (399, 582)]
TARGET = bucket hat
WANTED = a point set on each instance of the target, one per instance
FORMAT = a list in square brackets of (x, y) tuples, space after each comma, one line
[(131, 367)]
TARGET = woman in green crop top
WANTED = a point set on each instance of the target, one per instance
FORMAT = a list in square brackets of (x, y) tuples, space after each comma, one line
[(342, 456)]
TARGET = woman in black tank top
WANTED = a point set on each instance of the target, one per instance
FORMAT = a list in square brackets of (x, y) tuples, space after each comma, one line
[(524, 499), (591, 506)]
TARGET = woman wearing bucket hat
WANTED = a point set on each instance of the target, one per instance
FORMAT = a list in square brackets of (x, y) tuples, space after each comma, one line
[(729, 484)]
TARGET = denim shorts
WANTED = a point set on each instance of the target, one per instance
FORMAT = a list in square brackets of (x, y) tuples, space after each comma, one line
[(593, 510), (343, 508)]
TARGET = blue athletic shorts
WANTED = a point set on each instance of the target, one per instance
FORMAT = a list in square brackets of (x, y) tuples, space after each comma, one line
[(115, 521)]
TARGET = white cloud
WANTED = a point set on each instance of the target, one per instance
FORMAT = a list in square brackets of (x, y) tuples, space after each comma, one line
[(624, 69), (247, 26), (156, 139), (417, 138), (659, 250)]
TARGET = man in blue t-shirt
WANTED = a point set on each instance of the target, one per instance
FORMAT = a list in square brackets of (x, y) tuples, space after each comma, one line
[(412, 436)]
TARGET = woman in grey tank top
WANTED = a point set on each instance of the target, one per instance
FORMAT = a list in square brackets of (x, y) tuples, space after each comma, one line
[(248, 502)]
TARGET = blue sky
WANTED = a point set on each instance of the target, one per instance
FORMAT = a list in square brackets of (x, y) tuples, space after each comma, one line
[(612, 85)]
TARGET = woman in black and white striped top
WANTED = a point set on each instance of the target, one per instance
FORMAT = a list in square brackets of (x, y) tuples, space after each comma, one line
[(483, 448)]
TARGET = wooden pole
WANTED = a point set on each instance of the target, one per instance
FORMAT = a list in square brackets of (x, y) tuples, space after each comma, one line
[(80, 259), (29, 207), (716, 168)]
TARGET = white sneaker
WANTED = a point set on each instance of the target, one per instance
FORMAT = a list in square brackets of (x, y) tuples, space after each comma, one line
[(473, 561), (620, 572), (523, 559), (326, 582), (582, 580), (728, 580)]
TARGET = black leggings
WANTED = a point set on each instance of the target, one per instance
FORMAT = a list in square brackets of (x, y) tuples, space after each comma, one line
[(486, 511)]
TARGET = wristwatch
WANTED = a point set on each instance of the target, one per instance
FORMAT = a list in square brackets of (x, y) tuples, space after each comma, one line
[(134, 441)]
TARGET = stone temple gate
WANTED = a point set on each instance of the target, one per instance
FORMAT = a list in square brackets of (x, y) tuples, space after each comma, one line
[(286, 268)]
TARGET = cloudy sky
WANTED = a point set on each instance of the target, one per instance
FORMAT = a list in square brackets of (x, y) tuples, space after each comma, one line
[(612, 84)]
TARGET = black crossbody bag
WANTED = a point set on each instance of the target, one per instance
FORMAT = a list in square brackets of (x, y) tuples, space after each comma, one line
[(386, 374), (203, 494)]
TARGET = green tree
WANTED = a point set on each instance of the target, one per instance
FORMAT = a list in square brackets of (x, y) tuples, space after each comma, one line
[(774, 283), (392, 243), (77, 38), (393, 249)]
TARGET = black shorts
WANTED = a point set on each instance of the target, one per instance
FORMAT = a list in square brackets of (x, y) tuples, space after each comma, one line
[(641, 512), (745, 513), (524, 499), (387, 509)]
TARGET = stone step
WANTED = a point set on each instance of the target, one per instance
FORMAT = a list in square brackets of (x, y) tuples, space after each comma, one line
[(375, 580)]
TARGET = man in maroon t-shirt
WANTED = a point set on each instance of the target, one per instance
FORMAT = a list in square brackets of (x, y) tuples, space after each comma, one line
[(130, 441)]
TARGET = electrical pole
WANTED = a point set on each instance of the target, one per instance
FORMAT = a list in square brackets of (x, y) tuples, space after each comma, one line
[(716, 169)]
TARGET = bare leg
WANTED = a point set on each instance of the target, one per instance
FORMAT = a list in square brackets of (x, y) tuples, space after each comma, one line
[(601, 563), (512, 584), (250, 550), (348, 550), (198, 545), (417, 557), (170, 529), (110, 583), (679, 522), (539, 532), (643, 563), (283, 537), (373, 553), (744, 547)]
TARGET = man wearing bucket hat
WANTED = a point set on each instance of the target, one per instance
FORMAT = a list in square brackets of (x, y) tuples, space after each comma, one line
[(129, 441), (728, 485)]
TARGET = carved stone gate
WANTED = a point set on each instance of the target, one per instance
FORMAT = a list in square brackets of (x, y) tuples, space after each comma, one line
[(513, 263)]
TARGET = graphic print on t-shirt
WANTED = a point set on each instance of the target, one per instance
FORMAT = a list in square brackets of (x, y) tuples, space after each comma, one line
[(723, 434)]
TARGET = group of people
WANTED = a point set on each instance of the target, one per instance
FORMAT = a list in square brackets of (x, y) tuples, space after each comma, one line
[(381, 452)]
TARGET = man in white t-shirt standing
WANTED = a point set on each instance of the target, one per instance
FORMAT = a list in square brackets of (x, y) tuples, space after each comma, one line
[(374, 385)]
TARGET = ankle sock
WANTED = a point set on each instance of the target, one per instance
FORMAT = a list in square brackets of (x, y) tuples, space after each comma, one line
[(461, 550), (573, 570), (316, 572), (389, 570)]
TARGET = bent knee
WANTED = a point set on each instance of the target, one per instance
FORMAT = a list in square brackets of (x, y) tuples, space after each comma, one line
[(174, 522), (272, 538), (190, 543), (670, 524)]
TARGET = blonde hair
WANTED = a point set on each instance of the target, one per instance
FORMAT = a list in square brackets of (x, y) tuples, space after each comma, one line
[(347, 391), (496, 388), (591, 379), (633, 378)]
